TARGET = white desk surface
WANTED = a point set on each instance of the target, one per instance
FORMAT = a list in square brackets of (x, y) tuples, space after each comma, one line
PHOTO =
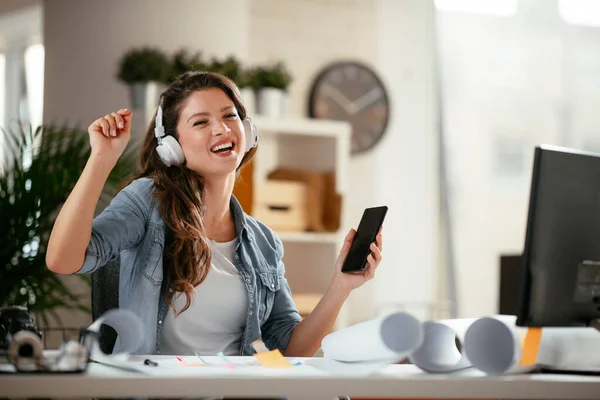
[(395, 381)]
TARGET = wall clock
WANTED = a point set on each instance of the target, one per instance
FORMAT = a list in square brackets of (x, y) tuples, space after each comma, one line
[(351, 91)]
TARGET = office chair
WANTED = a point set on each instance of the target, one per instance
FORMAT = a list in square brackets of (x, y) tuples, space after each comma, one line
[(105, 296)]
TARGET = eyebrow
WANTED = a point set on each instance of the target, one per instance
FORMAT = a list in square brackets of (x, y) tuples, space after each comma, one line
[(207, 113)]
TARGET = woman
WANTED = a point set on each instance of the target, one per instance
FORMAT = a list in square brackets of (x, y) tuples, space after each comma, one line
[(201, 274)]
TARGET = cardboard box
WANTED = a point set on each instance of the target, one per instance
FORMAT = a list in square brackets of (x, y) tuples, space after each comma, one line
[(281, 205)]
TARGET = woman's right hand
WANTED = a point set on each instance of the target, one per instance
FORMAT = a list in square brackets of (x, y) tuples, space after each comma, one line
[(110, 134)]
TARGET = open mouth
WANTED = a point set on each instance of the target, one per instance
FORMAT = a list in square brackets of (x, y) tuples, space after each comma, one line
[(223, 147)]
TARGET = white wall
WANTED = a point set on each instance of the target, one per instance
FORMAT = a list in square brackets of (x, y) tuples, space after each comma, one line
[(287, 30), (9, 6), (85, 40), (406, 163)]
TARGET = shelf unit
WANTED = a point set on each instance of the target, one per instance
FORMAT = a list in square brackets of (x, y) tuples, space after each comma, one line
[(319, 145), (316, 145)]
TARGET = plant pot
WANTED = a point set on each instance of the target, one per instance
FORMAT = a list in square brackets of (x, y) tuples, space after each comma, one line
[(249, 100), (271, 102), (145, 95)]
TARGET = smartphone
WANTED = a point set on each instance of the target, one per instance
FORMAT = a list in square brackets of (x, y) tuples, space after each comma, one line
[(367, 231)]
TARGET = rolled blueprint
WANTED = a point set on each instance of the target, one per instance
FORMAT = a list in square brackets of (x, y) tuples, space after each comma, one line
[(390, 337), (443, 345), (365, 348), (496, 345)]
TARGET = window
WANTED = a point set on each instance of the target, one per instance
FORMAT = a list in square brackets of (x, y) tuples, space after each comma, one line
[(34, 77), (580, 12), (2, 88), (22, 74), (2, 105), (21, 70), (508, 84)]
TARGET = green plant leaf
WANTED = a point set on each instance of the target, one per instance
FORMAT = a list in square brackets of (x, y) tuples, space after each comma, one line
[(144, 64), (274, 76), (183, 61), (40, 169)]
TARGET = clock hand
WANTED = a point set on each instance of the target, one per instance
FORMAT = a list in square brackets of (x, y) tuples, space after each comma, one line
[(339, 98), (366, 99)]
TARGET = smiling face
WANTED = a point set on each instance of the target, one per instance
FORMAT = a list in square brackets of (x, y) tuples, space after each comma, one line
[(211, 133)]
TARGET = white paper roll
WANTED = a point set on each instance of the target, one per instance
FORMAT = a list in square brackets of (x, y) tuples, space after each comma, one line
[(439, 351), (390, 337), (495, 346), (25, 351)]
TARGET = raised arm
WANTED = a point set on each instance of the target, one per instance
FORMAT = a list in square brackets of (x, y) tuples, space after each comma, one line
[(72, 230)]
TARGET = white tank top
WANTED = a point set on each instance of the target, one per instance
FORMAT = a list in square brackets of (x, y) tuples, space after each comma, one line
[(216, 319)]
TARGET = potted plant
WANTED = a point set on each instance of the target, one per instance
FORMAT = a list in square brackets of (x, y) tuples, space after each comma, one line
[(271, 85), (232, 68), (183, 61), (145, 70), (39, 171), (247, 91)]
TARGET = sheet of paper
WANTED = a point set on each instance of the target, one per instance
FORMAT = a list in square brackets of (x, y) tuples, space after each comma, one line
[(439, 351), (245, 366), (358, 368), (495, 345), (570, 349)]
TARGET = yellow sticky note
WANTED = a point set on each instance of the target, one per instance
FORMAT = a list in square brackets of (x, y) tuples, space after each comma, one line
[(531, 346), (272, 359)]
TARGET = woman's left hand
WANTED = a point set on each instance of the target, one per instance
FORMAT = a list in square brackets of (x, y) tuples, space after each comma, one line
[(351, 281)]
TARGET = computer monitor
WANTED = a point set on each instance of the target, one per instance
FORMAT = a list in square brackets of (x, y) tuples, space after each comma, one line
[(560, 269)]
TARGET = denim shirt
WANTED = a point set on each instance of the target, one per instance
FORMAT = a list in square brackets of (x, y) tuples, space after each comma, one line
[(132, 228)]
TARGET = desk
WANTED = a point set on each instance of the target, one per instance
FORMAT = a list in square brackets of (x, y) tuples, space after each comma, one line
[(397, 381)]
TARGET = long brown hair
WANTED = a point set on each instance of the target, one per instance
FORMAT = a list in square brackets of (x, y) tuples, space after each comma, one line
[(180, 191)]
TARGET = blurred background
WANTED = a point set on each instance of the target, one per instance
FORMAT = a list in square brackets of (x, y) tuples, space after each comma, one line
[(432, 108)]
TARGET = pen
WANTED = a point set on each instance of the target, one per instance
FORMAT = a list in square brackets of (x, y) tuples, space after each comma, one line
[(150, 362)]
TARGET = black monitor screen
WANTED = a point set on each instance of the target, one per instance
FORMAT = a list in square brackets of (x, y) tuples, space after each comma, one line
[(560, 270)]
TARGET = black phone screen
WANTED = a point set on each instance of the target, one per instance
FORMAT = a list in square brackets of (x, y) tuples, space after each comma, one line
[(367, 231)]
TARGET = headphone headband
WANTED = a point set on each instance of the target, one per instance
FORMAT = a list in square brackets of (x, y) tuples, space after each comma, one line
[(159, 129)]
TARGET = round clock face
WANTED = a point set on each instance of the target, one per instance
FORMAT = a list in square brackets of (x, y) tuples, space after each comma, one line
[(350, 91)]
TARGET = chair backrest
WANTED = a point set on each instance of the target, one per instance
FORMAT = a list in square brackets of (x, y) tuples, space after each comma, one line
[(105, 296)]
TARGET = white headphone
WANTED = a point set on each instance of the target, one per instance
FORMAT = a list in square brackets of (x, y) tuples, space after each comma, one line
[(170, 152)]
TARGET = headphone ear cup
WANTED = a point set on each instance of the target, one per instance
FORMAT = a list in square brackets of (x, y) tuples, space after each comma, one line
[(251, 134), (170, 151)]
